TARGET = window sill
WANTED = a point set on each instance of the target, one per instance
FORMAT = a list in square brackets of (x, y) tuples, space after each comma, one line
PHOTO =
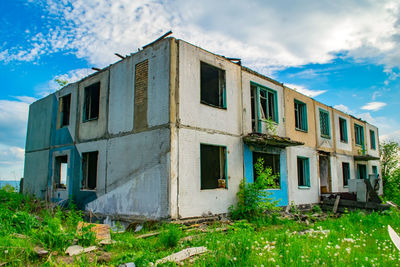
[(211, 105), (218, 188), (304, 187), (88, 190), (344, 142), (326, 136), (273, 189), (301, 130), (345, 186), (274, 122), (87, 120)]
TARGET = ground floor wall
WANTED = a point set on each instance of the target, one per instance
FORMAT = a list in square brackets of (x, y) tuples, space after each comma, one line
[(192, 200), (36, 173)]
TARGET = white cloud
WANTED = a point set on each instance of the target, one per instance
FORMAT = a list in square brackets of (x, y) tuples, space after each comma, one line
[(374, 106), (266, 36), (13, 121), (343, 108), (305, 91)]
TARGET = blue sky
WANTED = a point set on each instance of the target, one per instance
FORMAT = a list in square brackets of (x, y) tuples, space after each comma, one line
[(343, 53)]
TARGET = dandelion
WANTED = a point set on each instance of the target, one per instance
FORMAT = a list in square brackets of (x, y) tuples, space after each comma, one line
[(260, 254), (348, 250), (337, 247), (234, 258), (272, 259)]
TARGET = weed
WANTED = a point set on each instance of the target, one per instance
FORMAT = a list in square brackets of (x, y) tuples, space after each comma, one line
[(169, 238), (316, 209)]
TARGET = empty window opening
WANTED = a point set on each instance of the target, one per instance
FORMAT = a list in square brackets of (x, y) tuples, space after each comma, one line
[(303, 172), (271, 161), (324, 123), (212, 85), (61, 172), (361, 171), (372, 139), (375, 171), (346, 173), (359, 134), (300, 114), (89, 170), (343, 130), (65, 106), (213, 166), (91, 102)]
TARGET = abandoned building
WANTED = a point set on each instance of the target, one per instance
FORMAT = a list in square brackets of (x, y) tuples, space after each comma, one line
[(170, 131)]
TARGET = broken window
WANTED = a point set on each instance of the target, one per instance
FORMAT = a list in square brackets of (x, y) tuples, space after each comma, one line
[(213, 166), (300, 114), (212, 82), (91, 102), (65, 105), (263, 106), (270, 161), (89, 170), (346, 173), (267, 104), (359, 134), (324, 123), (303, 172), (361, 171), (343, 130), (60, 173), (253, 93), (372, 139)]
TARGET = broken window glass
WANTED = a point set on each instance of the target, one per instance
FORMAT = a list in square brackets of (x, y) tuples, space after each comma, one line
[(60, 173), (213, 166), (212, 85), (270, 161), (89, 170), (91, 102)]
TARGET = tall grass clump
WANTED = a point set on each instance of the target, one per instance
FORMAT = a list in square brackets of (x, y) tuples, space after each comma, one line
[(169, 238)]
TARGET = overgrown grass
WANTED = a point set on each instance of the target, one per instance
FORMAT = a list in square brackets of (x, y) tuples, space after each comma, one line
[(354, 239)]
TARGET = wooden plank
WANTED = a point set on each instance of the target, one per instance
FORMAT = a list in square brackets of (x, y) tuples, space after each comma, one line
[(335, 206)]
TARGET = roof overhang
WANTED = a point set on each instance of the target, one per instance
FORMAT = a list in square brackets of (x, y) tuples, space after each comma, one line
[(365, 158), (259, 139)]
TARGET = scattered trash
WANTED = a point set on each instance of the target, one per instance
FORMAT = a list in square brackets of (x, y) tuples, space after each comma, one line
[(183, 255), (138, 228), (41, 251), (102, 230), (394, 236), (74, 250), (129, 264), (148, 235)]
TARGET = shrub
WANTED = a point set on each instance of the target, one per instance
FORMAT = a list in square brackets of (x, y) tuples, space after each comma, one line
[(171, 236), (253, 199)]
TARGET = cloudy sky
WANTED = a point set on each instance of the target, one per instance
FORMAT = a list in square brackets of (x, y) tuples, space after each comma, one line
[(343, 53)]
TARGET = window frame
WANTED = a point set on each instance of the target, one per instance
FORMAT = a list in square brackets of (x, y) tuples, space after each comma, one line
[(279, 167), (360, 132), (343, 129), (328, 134), (221, 91), (372, 139), (58, 161), (62, 111), (346, 181), (375, 171), (306, 172), (225, 168), (298, 113), (85, 171), (258, 88), (85, 117), (359, 171)]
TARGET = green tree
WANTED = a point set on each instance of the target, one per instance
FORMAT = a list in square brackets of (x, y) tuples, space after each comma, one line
[(389, 158)]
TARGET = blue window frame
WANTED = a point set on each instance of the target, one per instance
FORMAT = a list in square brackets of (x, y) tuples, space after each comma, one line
[(264, 105), (375, 171), (303, 172), (346, 173), (343, 130), (359, 134), (372, 139), (361, 171), (324, 123), (300, 114)]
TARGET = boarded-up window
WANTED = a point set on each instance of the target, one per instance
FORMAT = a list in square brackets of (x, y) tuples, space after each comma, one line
[(60, 172), (89, 170), (65, 106), (269, 161), (213, 166), (212, 85), (141, 88), (91, 102)]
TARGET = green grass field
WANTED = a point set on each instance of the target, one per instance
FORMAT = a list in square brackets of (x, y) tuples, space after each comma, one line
[(354, 239)]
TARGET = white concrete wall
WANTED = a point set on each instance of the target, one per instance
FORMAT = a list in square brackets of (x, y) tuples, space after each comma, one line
[(302, 195), (191, 111), (369, 170), (339, 176), (339, 144), (246, 93), (372, 152), (323, 142), (191, 200), (94, 128)]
